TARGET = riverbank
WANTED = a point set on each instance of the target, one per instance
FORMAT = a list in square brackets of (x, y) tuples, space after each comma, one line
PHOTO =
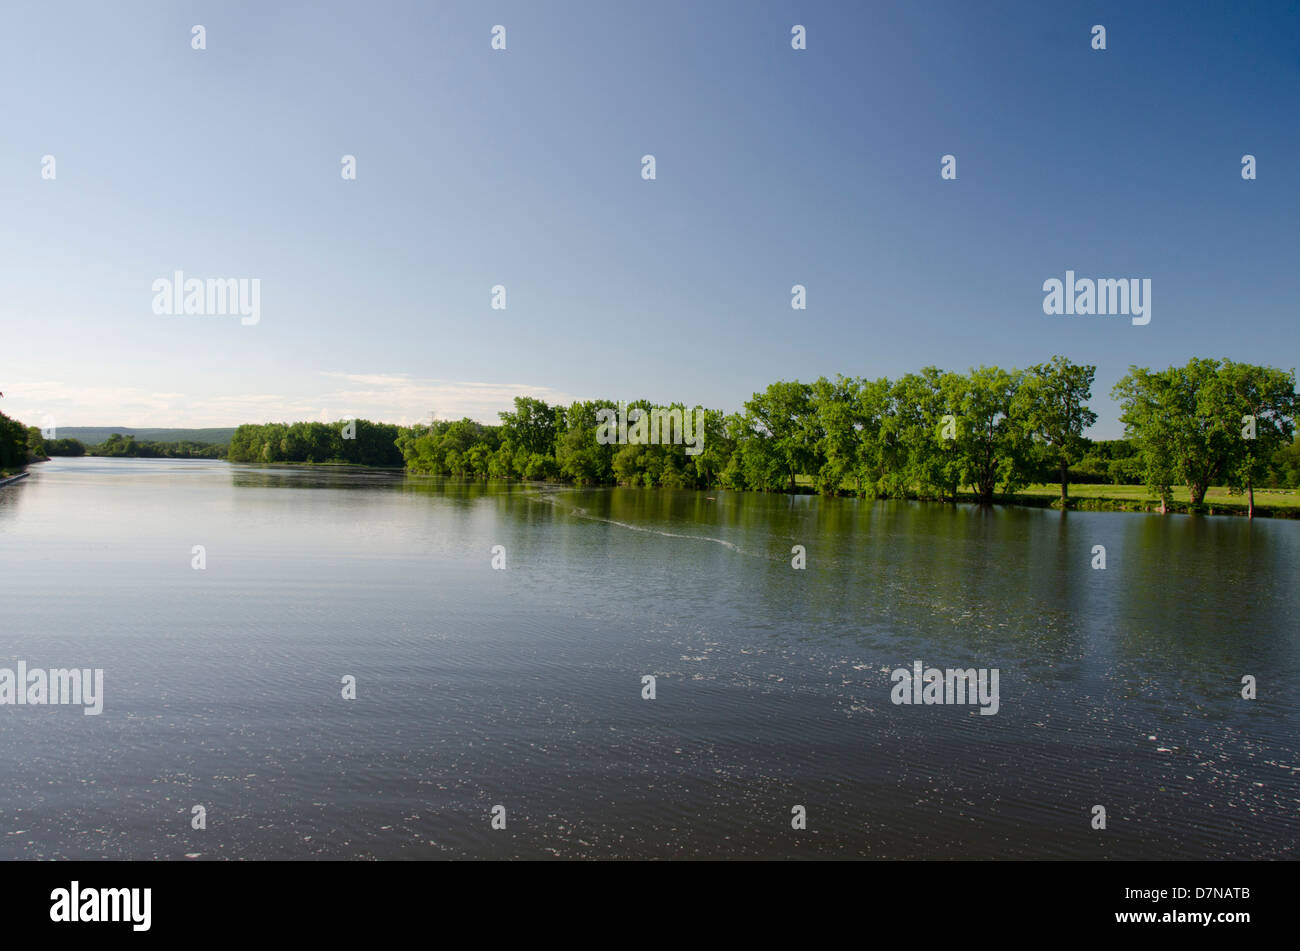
[(1091, 497), (14, 478), (1269, 503)]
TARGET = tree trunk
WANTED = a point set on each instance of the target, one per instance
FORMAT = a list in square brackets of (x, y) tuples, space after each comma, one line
[(1250, 496), (1065, 484)]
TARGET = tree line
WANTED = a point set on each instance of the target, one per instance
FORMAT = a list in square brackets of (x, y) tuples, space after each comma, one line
[(933, 434), (119, 445), (352, 442), (21, 445), (930, 434)]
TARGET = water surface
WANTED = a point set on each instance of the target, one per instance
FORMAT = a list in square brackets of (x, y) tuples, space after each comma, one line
[(522, 687)]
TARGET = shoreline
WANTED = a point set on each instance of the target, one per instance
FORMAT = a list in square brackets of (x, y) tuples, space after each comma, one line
[(1152, 507), (1216, 507), (1219, 506)]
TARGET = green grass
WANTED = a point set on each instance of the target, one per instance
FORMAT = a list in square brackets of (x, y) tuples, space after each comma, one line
[(1280, 503), (1287, 498)]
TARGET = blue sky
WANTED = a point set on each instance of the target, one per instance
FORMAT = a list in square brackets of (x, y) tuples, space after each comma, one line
[(522, 167)]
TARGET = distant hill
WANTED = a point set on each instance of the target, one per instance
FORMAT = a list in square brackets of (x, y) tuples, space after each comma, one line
[(94, 435)]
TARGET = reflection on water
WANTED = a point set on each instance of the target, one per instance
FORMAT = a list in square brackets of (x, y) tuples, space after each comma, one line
[(523, 687)]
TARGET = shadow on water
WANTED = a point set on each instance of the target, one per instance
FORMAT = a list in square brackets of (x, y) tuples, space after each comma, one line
[(313, 477)]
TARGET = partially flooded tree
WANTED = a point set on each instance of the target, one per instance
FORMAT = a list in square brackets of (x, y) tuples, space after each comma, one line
[(1187, 423), (992, 443), (783, 414)]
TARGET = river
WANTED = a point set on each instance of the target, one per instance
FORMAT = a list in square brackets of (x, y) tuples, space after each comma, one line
[(522, 687)]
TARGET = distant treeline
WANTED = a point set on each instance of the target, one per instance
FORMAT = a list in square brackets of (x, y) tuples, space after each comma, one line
[(119, 445), (20, 445), (353, 442), (95, 435)]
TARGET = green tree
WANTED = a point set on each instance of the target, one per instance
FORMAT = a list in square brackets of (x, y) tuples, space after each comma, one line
[(992, 443), (65, 447), (1052, 402), (783, 416), (578, 455), (36, 445), (834, 405), (531, 427), (13, 444), (1262, 400), (718, 449), (914, 456), (630, 464), (1186, 422), (1284, 467)]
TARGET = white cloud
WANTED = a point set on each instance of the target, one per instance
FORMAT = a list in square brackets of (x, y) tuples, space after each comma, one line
[(382, 397)]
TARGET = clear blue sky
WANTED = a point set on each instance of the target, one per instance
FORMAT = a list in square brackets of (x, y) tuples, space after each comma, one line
[(522, 168)]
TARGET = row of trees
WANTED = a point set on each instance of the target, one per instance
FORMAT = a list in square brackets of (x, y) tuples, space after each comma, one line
[(929, 434), (20, 445), (354, 442), (539, 441), (63, 447), (926, 434), (118, 445)]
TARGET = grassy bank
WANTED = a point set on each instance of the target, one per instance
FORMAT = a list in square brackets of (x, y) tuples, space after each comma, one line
[(1269, 503), (1275, 503)]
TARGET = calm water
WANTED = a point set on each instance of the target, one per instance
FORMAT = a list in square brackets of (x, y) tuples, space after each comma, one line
[(522, 687)]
